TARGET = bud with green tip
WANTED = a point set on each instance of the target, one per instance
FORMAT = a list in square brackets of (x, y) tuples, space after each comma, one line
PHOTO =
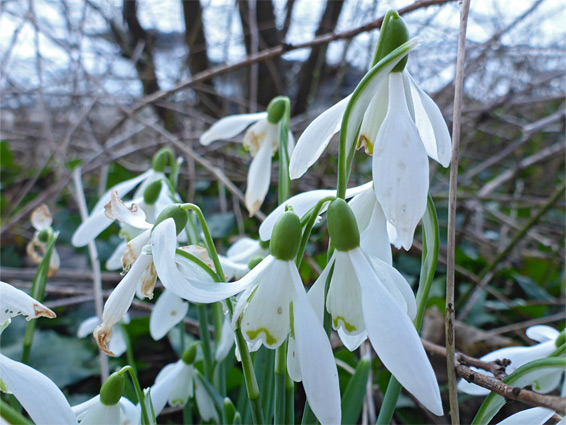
[(161, 159), (112, 390), (255, 261), (190, 353), (177, 213), (342, 226), (394, 33), (43, 235), (151, 192), (286, 237), (561, 339), (276, 109)]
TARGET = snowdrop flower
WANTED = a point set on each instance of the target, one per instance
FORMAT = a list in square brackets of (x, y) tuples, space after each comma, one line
[(141, 273), (177, 382), (368, 295), (238, 257), (39, 396), (41, 221), (533, 416), (399, 125), (261, 139), (548, 338), (98, 221), (14, 302), (118, 344), (109, 407)]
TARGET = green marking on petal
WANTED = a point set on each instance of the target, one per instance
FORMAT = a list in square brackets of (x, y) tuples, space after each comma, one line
[(349, 327), (177, 402), (292, 319), (4, 387), (269, 339)]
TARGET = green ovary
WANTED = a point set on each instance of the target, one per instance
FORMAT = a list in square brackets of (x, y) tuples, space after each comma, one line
[(269, 339), (347, 326)]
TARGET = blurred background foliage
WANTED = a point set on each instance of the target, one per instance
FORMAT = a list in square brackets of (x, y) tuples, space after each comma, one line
[(104, 84)]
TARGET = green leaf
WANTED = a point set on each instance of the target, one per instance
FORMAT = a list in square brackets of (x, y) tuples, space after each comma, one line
[(522, 377), (353, 397)]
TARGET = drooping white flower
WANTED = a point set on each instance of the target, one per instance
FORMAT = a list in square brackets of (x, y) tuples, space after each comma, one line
[(546, 337), (40, 397), (367, 295), (14, 302), (41, 220), (117, 344), (399, 125), (93, 412), (262, 140), (175, 384), (533, 416), (98, 221)]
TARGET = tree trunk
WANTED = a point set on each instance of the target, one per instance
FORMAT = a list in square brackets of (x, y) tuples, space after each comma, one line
[(269, 82), (312, 70)]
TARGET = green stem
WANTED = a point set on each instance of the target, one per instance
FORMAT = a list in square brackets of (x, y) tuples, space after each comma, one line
[(249, 378), (280, 378), (129, 349), (289, 401), (389, 402), (205, 338), (11, 415), (139, 393), (38, 292), (266, 382), (314, 212), (284, 181)]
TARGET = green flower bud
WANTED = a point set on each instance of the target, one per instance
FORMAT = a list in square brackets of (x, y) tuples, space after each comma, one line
[(263, 244), (112, 389), (177, 213), (229, 410), (286, 237), (161, 158), (190, 353), (255, 261), (276, 109), (151, 192), (342, 226), (394, 33), (44, 235), (561, 339)]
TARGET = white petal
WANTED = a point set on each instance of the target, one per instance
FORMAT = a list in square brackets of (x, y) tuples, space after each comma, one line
[(167, 312), (182, 387), (241, 248), (374, 239), (315, 138), (115, 260), (87, 326), (344, 297), (118, 344), (80, 409), (101, 414), (316, 292), (164, 243), (131, 413), (205, 404), (161, 389), (533, 416), (259, 177), (14, 302), (39, 396), (119, 301), (266, 316), (301, 204), (394, 337), (400, 166), (130, 214), (352, 342), (41, 218), (547, 383), (226, 340), (431, 125), (232, 269), (134, 249), (397, 286), (229, 127), (293, 366), (373, 118), (316, 360), (362, 206), (542, 333), (91, 228)]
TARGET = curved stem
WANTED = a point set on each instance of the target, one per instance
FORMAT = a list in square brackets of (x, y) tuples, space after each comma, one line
[(139, 393), (314, 212)]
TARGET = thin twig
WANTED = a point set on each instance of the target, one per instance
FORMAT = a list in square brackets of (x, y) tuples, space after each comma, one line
[(95, 263), (450, 259)]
